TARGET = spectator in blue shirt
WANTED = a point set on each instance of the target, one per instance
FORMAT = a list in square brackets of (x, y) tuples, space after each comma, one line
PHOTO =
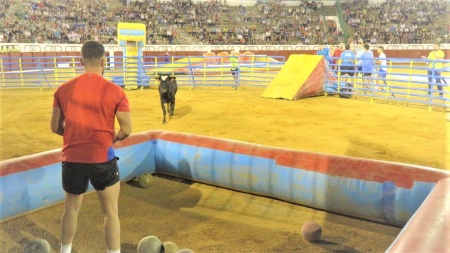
[(367, 64), (325, 51), (347, 59), (359, 50)]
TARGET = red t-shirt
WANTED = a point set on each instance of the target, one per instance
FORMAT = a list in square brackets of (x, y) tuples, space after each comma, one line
[(89, 104), (338, 52)]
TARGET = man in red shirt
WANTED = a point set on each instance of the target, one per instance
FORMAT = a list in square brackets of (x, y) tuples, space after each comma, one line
[(84, 113), (337, 54)]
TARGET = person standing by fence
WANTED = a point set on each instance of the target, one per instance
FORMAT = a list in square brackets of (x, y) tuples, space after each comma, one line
[(359, 50), (382, 67), (434, 69), (166, 57), (84, 113), (325, 51), (234, 61), (347, 67), (367, 64)]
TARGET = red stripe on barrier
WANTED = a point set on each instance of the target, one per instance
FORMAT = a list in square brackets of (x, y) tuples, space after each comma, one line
[(403, 175), (29, 162), (21, 164)]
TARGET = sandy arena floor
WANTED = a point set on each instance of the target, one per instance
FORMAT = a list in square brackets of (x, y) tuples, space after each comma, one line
[(210, 219)]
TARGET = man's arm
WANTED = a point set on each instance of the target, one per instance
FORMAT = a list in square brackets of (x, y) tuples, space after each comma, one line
[(57, 121), (124, 119)]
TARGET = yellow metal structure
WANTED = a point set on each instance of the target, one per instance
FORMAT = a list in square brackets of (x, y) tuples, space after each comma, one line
[(132, 37)]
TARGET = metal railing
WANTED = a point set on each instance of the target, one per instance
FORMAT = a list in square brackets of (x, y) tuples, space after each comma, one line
[(412, 81), (41, 72)]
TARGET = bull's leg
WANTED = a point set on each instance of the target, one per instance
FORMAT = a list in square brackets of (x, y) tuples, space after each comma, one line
[(163, 106), (172, 108)]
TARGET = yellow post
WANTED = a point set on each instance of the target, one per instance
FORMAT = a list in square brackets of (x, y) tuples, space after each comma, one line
[(204, 72), (56, 70), (410, 78), (221, 70), (388, 76), (3, 73), (338, 79), (74, 68), (21, 71), (253, 71)]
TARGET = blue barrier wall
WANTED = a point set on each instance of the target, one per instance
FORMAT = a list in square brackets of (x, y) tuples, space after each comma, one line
[(375, 190)]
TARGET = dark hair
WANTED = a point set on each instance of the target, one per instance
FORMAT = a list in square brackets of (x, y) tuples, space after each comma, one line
[(366, 47), (92, 50), (347, 46)]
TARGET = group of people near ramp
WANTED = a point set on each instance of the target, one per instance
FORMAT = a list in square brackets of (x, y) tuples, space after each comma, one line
[(358, 59), (354, 60)]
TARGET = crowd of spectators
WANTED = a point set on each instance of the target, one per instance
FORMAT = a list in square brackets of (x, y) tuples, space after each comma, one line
[(56, 21), (268, 23), (397, 21), (215, 22)]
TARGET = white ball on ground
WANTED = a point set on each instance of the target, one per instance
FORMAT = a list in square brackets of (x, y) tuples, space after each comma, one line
[(38, 246), (170, 247), (311, 231), (149, 244)]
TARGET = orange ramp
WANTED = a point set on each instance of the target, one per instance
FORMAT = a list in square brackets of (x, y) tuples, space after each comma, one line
[(302, 76)]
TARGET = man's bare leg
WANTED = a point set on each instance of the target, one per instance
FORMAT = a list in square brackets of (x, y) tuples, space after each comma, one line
[(109, 201), (70, 218)]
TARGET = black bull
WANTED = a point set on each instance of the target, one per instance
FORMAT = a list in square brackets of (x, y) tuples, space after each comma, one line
[(167, 89)]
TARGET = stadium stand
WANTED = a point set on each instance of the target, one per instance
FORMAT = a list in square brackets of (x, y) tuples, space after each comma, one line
[(218, 23)]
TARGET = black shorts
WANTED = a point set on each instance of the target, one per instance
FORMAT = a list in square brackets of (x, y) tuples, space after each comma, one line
[(350, 70), (76, 176)]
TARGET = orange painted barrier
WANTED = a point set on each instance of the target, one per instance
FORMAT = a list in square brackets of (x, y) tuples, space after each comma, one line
[(224, 56), (246, 57), (210, 57)]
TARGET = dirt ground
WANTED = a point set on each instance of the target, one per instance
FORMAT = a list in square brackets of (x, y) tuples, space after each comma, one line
[(211, 219)]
